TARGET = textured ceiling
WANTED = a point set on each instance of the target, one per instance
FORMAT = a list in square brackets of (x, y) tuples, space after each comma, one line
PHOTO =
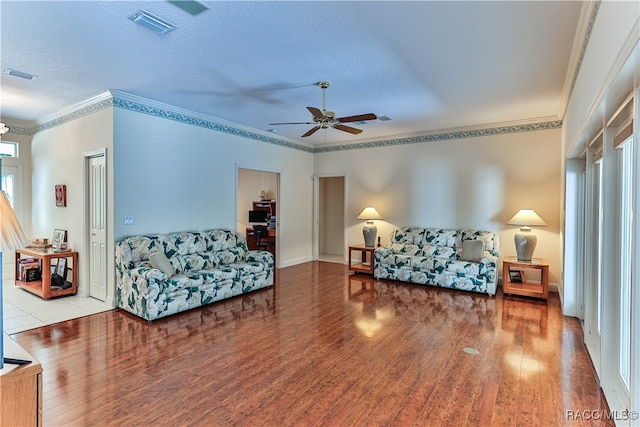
[(426, 65)]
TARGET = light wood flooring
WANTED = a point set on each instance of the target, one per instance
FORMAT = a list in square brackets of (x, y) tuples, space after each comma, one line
[(323, 347)]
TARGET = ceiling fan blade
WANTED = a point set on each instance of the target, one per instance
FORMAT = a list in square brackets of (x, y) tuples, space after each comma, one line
[(358, 118), (316, 112), (292, 123), (311, 131), (347, 129)]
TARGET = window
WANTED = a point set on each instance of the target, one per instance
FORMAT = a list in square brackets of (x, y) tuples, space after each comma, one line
[(599, 243), (626, 245), (8, 149), (9, 187)]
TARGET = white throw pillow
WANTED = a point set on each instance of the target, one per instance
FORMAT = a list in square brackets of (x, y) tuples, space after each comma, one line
[(160, 261), (472, 250)]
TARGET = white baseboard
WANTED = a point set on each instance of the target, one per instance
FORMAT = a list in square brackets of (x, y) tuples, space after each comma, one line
[(295, 261)]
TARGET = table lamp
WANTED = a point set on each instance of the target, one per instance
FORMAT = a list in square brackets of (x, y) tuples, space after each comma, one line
[(526, 241), (11, 237), (369, 230)]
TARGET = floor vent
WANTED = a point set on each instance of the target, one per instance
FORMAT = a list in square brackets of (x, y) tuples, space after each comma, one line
[(470, 350)]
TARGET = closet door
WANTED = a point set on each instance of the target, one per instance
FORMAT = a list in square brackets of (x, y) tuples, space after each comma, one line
[(97, 224)]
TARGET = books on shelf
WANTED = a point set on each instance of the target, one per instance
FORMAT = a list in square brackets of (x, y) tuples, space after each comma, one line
[(29, 269)]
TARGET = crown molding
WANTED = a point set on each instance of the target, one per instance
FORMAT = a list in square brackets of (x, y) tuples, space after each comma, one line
[(76, 111), (127, 101), (587, 20)]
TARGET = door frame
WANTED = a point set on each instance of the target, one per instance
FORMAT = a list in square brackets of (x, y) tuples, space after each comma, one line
[(278, 198), (316, 214)]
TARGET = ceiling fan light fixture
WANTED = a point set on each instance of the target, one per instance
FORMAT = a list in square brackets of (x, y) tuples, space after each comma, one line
[(324, 119), (152, 22)]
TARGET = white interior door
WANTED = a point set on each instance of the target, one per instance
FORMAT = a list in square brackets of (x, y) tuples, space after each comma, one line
[(97, 228)]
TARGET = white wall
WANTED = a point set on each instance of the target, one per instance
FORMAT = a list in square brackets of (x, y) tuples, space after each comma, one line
[(57, 158), (466, 183), (171, 176)]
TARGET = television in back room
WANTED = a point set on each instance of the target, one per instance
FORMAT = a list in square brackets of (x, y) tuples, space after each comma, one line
[(258, 216)]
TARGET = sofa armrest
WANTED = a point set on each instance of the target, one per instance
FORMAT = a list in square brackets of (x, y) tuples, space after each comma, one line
[(141, 278), (381, 253), (261, 256), (489, 268)]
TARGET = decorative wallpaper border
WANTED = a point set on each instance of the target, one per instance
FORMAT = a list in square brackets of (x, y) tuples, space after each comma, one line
[(445, 136), (208, 124), (65, 118), (585, 43)]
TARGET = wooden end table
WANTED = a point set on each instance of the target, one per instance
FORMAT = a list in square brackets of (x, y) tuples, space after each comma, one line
[(42, 287), (366, 264), (511, 284)]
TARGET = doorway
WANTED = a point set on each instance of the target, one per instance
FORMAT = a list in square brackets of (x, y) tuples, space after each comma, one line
[(259, 190), (331, 219)]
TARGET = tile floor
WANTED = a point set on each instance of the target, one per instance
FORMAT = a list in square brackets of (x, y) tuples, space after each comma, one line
[(23, 311)]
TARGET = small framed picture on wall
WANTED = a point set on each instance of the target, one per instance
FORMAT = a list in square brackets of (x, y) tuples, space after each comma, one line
[(61, 195)]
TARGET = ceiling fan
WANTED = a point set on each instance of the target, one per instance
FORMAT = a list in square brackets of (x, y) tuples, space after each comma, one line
[(324, 119)]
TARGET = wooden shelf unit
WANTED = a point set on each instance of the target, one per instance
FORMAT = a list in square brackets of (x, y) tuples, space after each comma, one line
[(42, 287)]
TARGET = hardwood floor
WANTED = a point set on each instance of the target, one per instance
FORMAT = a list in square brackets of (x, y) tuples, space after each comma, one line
[(323, 347)]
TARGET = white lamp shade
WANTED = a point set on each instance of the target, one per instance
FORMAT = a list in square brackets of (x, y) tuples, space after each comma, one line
[(369, 213), (11, 234), (526, 218)]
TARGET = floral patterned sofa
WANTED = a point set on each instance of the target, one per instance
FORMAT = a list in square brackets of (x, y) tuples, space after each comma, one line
[(456, 259), (191, 269)]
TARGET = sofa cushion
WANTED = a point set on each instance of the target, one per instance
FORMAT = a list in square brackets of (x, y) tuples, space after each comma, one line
[(199, 261), (445, 252), (464, 268), (143, 246), (160, 261), (441, 237), (472, 250), (231, 255), (408, 235), (405, 249), (184, 243), (491, 240)]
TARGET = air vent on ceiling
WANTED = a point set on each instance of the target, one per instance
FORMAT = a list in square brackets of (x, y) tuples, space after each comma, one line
[(384, 118), (194, 7), (20, 74), (152, 22)]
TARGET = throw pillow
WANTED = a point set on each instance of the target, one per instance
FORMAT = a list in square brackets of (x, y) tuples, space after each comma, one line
[(472, 250), (160, 261)]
